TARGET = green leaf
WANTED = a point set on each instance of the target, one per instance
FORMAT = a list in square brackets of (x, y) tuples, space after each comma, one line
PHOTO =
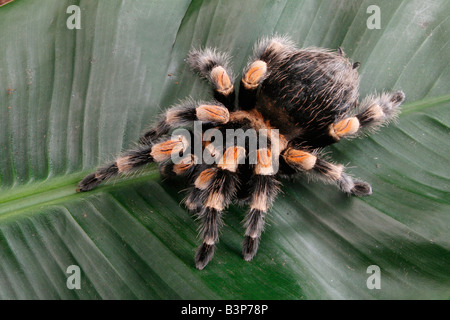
[(73, 99)]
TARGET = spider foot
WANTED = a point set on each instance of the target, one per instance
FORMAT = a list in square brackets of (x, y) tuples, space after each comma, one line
[(361, 189), (204, 255), (88, 183), (249, 247)]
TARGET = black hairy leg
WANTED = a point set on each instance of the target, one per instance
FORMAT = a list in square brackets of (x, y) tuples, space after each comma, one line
[(201, 179), (214, 66), (184, 114), (263, 187), (311, 164), (217, 187), (133, 159), (374, 112), (379, 110), (266, 54)]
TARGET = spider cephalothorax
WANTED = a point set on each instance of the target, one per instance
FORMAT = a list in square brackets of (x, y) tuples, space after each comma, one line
[(295, 101)]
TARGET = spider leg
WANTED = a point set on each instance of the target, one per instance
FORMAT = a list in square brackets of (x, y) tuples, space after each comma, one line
[(263, 189), (201, 179), (217, 187), (133, 159), (185, 114), (184, 167), (303, 161), (266, 55), (375, 111), (213, 66)]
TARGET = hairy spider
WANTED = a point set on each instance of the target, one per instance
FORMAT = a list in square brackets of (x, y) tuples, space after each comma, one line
[(308, 97)]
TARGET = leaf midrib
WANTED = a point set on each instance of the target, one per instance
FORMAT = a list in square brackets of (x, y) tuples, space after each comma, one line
[(423, 104), (25, 198)]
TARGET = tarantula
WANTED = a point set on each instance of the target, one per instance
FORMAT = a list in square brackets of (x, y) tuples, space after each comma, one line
[(309, 97)]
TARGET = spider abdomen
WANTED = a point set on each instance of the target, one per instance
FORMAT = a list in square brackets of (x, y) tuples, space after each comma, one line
[(309, 90)]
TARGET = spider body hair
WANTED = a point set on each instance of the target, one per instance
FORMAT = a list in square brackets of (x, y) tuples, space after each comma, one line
[(298, 100), (307, 91)]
